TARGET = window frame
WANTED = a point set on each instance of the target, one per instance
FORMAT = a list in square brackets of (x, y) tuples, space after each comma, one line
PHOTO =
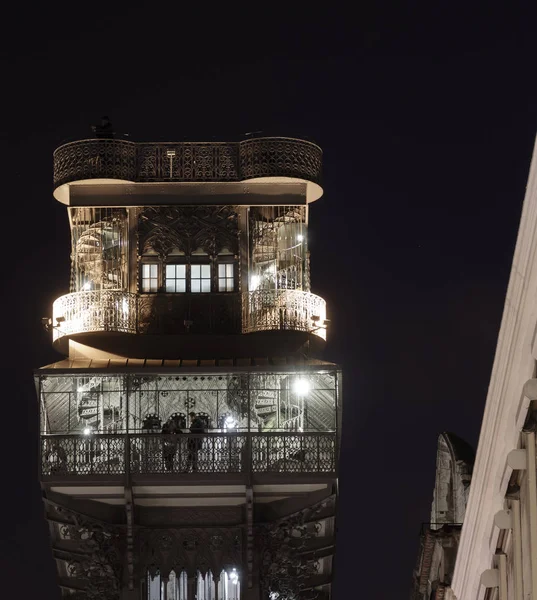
[(188, 263)]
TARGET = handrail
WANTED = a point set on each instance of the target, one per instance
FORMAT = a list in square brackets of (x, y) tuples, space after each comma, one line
[(213, 452)]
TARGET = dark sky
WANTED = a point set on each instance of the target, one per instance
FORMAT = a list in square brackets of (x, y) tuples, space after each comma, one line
[(427, 115)]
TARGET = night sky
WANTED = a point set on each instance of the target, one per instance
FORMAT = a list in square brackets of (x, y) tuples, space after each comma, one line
[(427, 118)]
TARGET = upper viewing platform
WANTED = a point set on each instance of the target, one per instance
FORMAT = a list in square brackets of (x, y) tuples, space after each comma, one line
[(262, 159)]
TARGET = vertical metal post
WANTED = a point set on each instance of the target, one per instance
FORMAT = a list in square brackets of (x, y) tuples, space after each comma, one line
[(532, 509)]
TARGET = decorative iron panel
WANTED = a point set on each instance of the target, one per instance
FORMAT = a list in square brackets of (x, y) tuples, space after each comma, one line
[(189, 453), (95, 159), (293, 453), (269, 310), (83, 455), (191, 549), (187, 161), (106, 310), (280, 157)]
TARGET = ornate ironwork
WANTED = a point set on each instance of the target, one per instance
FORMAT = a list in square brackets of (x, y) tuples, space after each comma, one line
[(183, 453), (83, 455), (190, 550), (293, 453), (187, 228), (269, 310), (187, 161), (106, 310), (280, 157), (262, 310), (96, 563), (95, 159), (288, 561), (105, 454)]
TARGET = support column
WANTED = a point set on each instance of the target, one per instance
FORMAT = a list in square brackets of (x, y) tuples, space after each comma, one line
[(532, 508), (517, 549)]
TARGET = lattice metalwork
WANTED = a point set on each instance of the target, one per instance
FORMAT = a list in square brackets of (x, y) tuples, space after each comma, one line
[(289, 557), (288, 453), (83, 455), (256, 401), (278, 248), (280, 157), (272, 310), (99, 244), (187, 161), (107, 310), (97, 454), (95, 159), (189, 453)]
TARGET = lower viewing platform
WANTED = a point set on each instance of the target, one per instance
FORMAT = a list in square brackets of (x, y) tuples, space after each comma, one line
[(191, 455)]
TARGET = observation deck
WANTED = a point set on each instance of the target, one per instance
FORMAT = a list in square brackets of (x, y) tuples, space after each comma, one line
[(116, 311), (116, 160)]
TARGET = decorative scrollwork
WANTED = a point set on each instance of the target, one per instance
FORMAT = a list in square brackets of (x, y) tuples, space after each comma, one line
[(100, 454), (269, 310), (95, 159), (97, 559), (190, 549), (288, 561), (105, 310), (187, 228), (187, 161)]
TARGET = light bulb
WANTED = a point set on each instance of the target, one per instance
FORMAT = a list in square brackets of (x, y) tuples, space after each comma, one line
[(302, 387), (229, 422), (300, 237), (87, 430)]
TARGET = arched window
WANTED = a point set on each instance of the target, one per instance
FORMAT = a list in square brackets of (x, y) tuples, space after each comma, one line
[(205, 587), (229, 586)]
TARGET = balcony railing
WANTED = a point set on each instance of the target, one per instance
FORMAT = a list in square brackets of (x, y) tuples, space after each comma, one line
[(187, 161), (270, 310), (107, 310), (150, 454), (115, 310)]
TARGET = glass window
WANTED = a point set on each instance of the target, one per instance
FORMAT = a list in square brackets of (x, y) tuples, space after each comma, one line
[(200, 278), (175, 278), (149, 278), (225, 277)]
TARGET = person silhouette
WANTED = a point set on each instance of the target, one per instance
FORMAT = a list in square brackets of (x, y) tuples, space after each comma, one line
[(195, 442), (104, 130)]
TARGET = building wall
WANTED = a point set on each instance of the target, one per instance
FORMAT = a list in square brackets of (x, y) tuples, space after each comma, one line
[(489, 538)]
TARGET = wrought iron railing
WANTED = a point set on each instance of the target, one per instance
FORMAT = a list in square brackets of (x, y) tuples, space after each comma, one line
[(83, 455), (269, 310), (115, 310), (149, 454), (293, 453), (106, 310), (187, 161)]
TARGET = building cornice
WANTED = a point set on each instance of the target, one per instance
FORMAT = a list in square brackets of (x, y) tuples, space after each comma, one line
[(513, 366)]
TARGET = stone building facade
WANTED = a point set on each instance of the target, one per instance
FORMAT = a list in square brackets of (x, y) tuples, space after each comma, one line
[(497, 556), (439, 539)]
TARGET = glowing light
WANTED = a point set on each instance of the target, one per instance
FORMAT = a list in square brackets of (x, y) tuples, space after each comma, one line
[(125, 306), (234, 577), (300, 238), (254, 283), (230, 422), (87, 286), (302, 387), (87, 431)]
